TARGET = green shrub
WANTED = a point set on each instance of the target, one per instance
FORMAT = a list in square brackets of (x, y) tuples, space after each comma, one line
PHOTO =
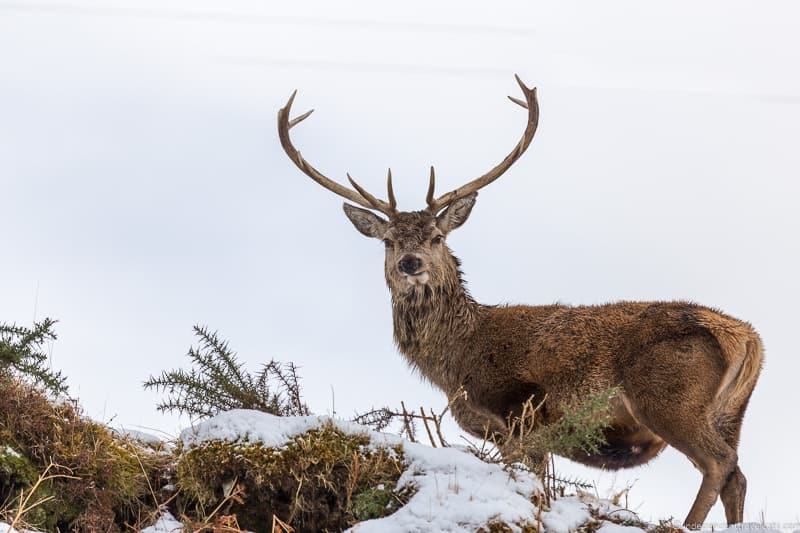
[(218, 382), (21, 355), (581, 428)]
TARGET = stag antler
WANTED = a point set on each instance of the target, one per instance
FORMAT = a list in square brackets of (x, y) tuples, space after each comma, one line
[(361, 197), (532, 105)]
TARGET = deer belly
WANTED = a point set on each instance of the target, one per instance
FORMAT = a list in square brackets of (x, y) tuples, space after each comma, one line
[(626, 447)]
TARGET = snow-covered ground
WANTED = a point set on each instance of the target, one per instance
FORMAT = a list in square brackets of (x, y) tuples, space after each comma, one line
[(454, 490)]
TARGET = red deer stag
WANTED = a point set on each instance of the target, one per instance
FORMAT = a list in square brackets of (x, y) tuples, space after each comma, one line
[(684, 372)]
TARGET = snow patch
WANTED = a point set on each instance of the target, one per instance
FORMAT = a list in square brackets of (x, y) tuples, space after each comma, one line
[(6, 528), (11, 452), (457, 492), (166, 523), (245, 425), (565, 515), (755, 528), (140, 436), (610, 527)]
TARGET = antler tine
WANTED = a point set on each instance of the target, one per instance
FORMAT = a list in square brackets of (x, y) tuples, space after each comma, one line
[(375, 203), (362, 197), (519, 102), (531, 103), (431, 187), (297, 120), (390, 191)]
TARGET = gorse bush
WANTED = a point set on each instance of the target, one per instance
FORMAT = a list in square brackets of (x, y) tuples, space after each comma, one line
[(580, 429), (582, 425), (219, 382), (21, 355)]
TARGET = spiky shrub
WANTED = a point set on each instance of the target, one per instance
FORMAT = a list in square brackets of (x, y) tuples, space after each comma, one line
[(581, 428), (103, 482), (219, 382), (582, 425), (21, 355), (322, 480)]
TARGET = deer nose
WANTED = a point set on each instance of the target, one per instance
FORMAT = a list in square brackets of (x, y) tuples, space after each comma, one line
[(409, 264)]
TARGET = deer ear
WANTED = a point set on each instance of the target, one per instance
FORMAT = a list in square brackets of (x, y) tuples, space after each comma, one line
[(456, 214), (365, 221)]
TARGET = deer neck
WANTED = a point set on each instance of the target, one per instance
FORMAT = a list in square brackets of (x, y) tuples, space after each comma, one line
[(432, 325)]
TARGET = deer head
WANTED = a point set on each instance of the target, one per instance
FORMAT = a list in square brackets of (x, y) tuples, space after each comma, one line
[(416, 253)]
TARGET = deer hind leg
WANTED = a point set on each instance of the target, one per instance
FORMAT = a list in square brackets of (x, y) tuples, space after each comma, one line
[(732, 496), (735, 488), (713, 457), (672, 391), (717, 461)]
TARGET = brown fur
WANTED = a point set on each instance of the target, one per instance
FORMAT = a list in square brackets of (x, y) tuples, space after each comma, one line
[(685, 371)]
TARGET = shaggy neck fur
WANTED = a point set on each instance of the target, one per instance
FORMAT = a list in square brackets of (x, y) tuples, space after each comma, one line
[(432, 322)]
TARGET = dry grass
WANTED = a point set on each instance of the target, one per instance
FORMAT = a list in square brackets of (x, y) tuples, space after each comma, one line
[(103, 482), (30, 500)]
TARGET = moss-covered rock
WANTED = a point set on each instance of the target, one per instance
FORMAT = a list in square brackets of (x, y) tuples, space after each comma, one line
[(322, 480)]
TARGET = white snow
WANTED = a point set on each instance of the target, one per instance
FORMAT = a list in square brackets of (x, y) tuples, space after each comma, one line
[(457, 492), (165, 524), (565, 515), (748, 527), (6, 528), (610, 527), (141, 436), (11, 452), (255, 426)]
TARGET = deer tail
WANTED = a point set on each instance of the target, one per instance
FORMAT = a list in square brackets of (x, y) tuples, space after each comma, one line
[(743, 354)]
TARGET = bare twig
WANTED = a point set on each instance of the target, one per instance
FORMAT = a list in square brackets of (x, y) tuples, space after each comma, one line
[(25, 506), (235, 495), (425, 419), (408, 424), (279, 526)]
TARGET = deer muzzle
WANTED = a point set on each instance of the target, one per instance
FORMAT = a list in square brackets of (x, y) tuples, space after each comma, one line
[(409, 265)]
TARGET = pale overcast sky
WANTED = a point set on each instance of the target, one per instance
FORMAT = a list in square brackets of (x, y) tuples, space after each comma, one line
[(143, 188)]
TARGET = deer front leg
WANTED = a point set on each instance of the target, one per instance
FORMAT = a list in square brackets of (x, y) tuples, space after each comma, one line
[(479, 422), (484, 424)]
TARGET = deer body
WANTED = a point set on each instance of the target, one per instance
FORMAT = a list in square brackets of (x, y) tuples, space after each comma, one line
[(507, 354), (684, 372)]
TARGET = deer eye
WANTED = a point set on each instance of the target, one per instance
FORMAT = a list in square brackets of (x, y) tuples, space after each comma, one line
[(438, 239)]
